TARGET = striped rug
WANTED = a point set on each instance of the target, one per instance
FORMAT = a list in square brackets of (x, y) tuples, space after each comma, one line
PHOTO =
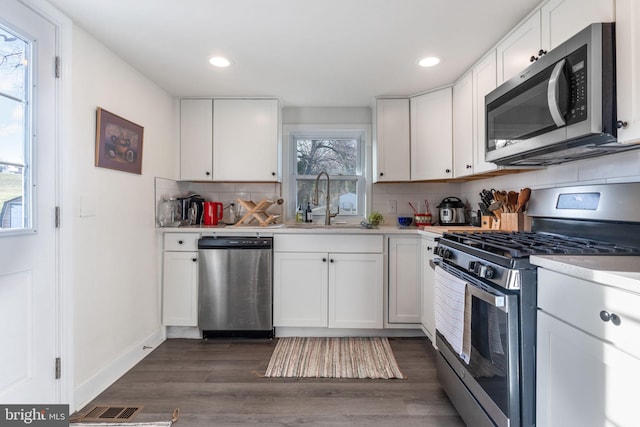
[(353, 357)]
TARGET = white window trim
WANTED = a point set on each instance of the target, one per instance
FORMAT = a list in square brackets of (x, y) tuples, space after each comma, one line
[(290, 132)]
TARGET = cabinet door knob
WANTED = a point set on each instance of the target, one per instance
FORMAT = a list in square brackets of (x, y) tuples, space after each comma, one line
[(381, 173), (331, 260), (180, 242), (324, 260), (207, 173), (273, 174), (447, 170), (615, 319), (429, 248), (194, 259)]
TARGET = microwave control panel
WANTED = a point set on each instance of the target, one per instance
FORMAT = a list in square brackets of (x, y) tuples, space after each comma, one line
[(577, 73)]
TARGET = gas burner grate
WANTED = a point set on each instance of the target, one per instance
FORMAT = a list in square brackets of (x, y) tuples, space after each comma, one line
[(524, 244)]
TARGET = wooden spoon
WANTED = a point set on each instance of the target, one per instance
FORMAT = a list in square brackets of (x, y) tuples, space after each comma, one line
[(512, 201), (523, 198)]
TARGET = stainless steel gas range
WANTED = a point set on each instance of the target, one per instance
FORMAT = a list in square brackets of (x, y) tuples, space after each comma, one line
[(486, 337)]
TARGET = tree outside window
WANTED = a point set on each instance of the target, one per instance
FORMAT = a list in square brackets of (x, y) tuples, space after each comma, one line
[(341, 158)]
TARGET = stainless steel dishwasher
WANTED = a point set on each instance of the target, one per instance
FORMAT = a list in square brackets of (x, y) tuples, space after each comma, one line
[(236, 286)]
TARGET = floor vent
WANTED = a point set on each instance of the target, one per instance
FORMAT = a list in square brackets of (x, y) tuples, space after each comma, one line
[(111, 413)]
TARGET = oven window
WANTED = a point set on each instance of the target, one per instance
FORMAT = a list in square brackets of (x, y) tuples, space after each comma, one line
[(490, 351)]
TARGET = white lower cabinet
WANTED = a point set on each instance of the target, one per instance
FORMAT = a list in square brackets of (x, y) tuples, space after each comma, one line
[(404, 280), (587, 367), (180, 280), (355, 291), (428, 318), (328, 281), (300, 294)]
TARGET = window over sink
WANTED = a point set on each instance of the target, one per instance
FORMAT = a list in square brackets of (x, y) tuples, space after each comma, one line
[(339, 153)]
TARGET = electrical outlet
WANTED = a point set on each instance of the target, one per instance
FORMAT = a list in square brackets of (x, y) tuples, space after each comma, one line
[(393, 206)]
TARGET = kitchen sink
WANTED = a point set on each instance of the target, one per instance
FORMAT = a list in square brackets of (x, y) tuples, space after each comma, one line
[(322, 226)]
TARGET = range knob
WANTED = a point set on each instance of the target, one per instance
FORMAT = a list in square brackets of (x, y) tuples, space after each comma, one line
[(444, 252), (473, 266), (489, 273)]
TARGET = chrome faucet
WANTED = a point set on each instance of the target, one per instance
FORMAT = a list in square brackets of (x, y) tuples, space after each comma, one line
[(327, 212)]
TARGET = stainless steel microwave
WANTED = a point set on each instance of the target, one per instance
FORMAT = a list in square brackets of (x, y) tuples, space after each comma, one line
[(561, 108)]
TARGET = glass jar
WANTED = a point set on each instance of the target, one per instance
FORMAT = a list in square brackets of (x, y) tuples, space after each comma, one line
[(169, 213)]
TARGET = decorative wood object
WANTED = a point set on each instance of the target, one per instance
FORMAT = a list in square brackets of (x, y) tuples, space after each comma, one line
[(256, 212)]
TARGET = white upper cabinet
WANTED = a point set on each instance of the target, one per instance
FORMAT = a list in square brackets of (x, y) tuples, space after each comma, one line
[(432, 136), (229, 140), (245, 139), (515, 52), (561, 19), (554, 23), (391, 151), (484, 81), (628, 68), (196, 139), (463, 127)]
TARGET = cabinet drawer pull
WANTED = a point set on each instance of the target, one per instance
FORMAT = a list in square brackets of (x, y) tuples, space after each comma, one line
[(606, 316)]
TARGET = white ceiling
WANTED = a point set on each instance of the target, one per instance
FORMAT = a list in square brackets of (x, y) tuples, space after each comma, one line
[(309, 53)]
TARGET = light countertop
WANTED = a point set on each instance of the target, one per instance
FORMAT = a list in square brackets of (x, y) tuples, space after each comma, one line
[(617, 271), (319, 229)]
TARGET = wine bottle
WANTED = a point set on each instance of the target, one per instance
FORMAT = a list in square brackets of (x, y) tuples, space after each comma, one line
[(308, 213)]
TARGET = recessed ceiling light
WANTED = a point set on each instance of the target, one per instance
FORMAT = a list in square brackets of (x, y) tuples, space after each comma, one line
[(429, 61), (220, 61)]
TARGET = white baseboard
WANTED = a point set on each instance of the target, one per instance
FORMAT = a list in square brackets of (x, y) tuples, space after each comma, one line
[(90, 389), (191, 332)]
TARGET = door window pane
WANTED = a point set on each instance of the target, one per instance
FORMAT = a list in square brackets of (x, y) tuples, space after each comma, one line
[(14, 132)]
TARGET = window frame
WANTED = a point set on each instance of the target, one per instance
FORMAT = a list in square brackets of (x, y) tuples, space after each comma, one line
[(28, 164), (363, 181)]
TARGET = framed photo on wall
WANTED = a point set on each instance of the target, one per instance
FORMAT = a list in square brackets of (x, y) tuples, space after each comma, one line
[(118, 143)]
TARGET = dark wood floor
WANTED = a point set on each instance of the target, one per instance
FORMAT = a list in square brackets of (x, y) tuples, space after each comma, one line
[(219, 383)]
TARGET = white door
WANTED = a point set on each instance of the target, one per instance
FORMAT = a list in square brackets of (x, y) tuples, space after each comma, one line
[(29, 330)]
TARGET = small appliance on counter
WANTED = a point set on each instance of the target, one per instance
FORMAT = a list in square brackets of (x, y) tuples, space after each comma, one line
[(451, 212)]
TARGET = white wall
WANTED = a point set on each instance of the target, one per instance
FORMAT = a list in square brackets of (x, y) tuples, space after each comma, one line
[(113, 243)]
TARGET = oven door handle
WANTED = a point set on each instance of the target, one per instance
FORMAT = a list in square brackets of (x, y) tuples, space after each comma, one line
[(494, 300)]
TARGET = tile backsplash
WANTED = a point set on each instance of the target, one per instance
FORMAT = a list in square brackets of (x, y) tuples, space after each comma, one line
[(418, 193), (622, 167), (223, 192)]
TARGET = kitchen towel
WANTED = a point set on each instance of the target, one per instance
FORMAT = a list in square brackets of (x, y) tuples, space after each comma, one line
[(453, 312)]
